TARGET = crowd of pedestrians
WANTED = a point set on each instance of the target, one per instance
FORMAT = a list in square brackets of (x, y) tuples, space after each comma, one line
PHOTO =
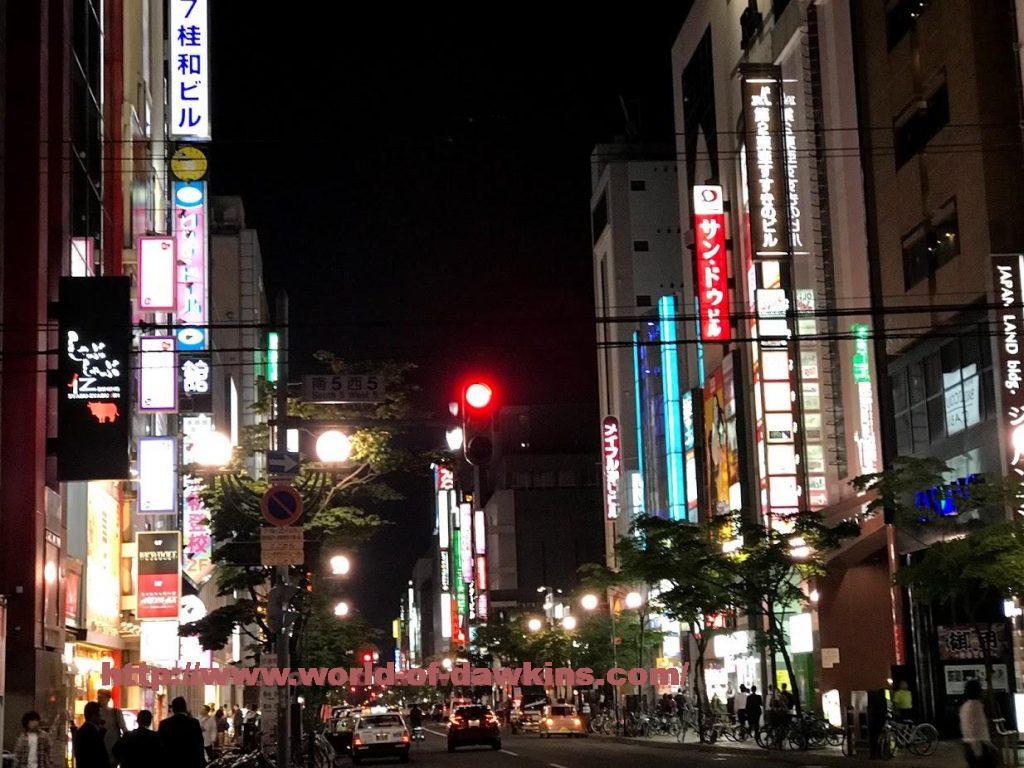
[(103, 740)]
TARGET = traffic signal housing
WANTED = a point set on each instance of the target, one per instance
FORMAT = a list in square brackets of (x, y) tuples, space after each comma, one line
[(476, 407)]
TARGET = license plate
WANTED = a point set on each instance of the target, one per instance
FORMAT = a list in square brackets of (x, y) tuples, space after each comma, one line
[(382, 737), (474, 723)]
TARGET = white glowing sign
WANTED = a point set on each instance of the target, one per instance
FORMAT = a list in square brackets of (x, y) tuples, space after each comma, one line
[(190, 211), (479, 533), (158, 377), (612, 451), (466, 542), (158, 642), (1008, 277), (158, 458), (198, 543), (189, 65), (867, 444), (443, 520), (157, 275), (446, 615)]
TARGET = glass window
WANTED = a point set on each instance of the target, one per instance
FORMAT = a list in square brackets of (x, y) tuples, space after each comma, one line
[(970, 354), (945, 238), (904, 437), (954, 400), (915, 257), (899, 392), (950, 354), (919, 426), (972, 399), (641, 246), (936, 418), (933, 375), (637, 185), (915, 379)]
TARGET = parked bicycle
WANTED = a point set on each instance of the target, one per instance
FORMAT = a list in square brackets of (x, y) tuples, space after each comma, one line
[(920, 739)]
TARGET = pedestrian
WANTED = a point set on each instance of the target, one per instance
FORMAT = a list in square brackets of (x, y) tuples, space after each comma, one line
[(740, 704), (788, 699), (141, 748), (222, 728), (113, 723), (755, 704), (182, 737), (32, 749), (209, 726), (979, 750), (903, 701), (89, 749), (236, 723), (680, 698)]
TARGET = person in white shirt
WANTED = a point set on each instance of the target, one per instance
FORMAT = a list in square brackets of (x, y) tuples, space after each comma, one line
[(740, 704), (209, 724), (32, 749), (978, 748)]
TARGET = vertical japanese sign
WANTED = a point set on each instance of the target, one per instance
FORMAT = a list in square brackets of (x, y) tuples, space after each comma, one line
[(766, 162), (158, 476), (1008, 278), (712, 264), (612, 450), (159, 554), (190, 207), (94, 345), (157, 274), (864, 437), (158, 375), (194, 377), (195, 517), (188, 34)]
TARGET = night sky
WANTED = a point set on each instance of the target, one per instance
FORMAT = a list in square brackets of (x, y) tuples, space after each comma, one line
[(420, 183)]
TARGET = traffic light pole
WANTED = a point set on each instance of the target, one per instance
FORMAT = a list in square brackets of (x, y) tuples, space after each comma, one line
[(282, 640)]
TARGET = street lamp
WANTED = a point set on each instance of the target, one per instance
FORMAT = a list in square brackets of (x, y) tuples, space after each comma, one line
[(453, 437), (212, 449), (569, 623), (340, 565), (333, 447), (589, 602), (634, 600), (534, 624), (341, 609)]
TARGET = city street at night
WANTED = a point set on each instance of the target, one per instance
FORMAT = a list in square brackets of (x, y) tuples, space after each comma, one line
[(512, 387)]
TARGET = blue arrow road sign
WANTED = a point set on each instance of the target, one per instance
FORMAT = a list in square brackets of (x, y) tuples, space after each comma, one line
[(282, 462)]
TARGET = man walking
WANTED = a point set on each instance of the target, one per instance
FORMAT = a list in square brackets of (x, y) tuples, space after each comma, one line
[(113, 723), (753, 709), (182, 737), (90, 751), (140, 748), (236, 723), (740, 704)]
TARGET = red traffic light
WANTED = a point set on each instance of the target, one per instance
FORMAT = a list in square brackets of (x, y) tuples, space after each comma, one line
[(478, 395), (367, 657)]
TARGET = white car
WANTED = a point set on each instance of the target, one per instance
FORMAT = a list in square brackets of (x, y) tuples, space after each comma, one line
[(380, 735)]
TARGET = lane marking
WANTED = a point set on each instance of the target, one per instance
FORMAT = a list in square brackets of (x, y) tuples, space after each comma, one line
[(509, 752), (556, 765), (436, 733)]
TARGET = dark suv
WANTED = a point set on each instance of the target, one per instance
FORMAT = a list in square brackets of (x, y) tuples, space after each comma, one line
[(473, 724)]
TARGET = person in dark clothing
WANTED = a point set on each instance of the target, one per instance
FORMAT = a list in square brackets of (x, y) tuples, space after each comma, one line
[(141, 748), (754, 707), (90, 751), (415, 716), (182, 737)]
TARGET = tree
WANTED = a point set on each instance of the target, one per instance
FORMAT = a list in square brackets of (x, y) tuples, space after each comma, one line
[(338, 504)]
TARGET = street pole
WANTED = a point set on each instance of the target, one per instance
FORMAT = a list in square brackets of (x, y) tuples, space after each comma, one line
[(282, 641)]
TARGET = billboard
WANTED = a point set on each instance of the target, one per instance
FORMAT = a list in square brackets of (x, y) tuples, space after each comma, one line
[(195, 517), (1008, 279), (94, 348), (712, 264), (189, 60), (159, 582), (158, 375), (158, 477), (190, 207), (195, 394), (766, 162), (157, 274), (611, 442)]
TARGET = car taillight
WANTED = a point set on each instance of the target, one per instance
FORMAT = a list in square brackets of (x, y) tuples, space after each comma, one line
[(357, 741), (457, 721), (405, 736), (550, 722), (491, 718), (576, 721)]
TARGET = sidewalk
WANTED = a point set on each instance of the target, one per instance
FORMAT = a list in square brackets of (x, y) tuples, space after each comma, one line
[(948, 755)]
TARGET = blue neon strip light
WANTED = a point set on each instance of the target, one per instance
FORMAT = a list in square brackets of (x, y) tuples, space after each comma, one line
[(700, 346), (675, 459)]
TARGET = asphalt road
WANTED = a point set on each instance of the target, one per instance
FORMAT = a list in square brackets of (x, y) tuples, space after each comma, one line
[(529, 751)]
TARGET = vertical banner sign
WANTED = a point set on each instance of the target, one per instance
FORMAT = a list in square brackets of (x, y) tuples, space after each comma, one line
[(159, 582), (865, 439), (195, 395), (612, 449), (466, 553), (188, 35), (712, 264), (1008, 277), (190, 209), (158, 475), (195, 517), (94, 346), (158, 375), (157, 274), (762, 110)]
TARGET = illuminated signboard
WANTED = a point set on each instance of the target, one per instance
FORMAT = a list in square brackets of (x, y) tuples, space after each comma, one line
[(766, 162), (459, 584), (158, 375), (158, 478), (103, 557), (712, 264), (612, 448), (195, 394), (198, 543), (446, 571), (159, 555), (867, 443), (466, 541), (443, 519), (190, 250), (481, 573), (690, 446), (1008, 277), (82, 256), (447, 609), (189, 65), (479, 533), (157, 274), (94, 347), (675, 458)]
